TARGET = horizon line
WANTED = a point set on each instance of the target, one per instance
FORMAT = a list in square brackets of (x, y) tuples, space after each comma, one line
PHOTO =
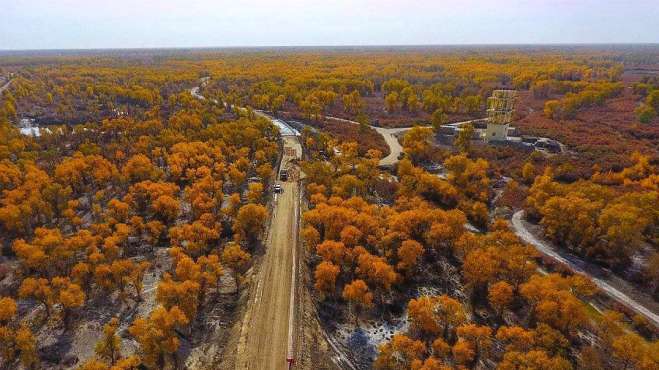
[(321, 46)]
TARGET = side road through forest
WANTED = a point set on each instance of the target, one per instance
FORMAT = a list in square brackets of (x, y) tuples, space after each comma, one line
[(602, 283)]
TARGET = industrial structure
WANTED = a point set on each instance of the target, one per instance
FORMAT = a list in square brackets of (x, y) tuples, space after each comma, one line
[(495, 128), (500, 108)]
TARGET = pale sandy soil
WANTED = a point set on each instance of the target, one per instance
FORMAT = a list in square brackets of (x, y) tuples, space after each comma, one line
[(264, 335)]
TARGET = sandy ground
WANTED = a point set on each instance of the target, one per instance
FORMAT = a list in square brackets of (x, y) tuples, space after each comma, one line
[(264, 337)]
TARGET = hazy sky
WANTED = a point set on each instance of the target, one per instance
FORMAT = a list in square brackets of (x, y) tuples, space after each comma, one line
[(53, 24)]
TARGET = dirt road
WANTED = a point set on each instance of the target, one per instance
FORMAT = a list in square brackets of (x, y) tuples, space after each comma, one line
[(395, 149), (268, 326), (580, 266), (264, 342), (389, 135), (5, 86)]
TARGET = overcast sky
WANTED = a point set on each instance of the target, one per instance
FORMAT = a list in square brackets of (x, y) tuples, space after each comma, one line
[(65, 24)]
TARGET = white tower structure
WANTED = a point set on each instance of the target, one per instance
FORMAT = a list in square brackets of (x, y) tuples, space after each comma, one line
[(500, 108)]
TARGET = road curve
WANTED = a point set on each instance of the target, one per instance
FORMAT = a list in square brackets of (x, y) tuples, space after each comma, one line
[(523, 233), (389, 135), (284, 128), (395, 149), (391, 138)]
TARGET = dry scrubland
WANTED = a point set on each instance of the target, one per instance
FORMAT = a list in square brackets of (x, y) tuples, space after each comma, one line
[(137, 229)]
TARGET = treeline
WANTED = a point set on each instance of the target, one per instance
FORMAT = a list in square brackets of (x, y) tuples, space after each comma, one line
[(385, 85), (648, 89), (591, 95), (81, 91), (391, 84)]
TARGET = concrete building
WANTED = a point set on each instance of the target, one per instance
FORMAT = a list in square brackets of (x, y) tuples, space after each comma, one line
[(496, 132)]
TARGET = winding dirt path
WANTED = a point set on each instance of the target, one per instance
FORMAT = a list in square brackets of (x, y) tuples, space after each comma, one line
[(389, 135), (395, 149), (604, 284)]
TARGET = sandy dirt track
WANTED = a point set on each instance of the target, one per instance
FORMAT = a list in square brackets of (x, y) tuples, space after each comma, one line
[(389, 135), (395, 149), (265, 329), (5, 86), (579, 266)]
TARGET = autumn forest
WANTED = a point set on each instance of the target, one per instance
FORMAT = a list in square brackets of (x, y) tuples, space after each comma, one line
[(144, 194)]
